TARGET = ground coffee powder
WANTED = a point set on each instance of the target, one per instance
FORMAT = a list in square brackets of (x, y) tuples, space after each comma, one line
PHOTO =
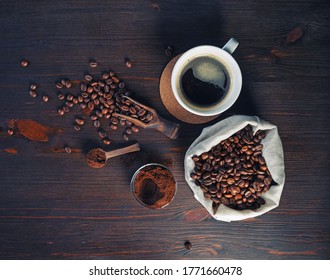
[(154, 186)]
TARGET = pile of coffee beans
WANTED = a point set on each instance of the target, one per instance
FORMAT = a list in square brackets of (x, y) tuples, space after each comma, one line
[(234, 172), (99, 99)]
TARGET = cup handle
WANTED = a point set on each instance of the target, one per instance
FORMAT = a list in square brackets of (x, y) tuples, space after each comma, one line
[(231, 45)]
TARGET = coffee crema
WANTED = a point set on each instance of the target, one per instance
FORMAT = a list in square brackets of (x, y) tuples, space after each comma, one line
[(205, 81)]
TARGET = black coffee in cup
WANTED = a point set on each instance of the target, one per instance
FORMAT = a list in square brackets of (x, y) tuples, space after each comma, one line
[(204, 81)]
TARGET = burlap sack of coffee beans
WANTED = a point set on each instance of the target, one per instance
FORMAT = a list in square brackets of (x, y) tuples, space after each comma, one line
[(272, 152)]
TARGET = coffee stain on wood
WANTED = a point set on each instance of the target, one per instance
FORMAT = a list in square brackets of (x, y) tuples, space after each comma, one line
[(278, 53), (62, 150), (196, 215), (294, 35), (284, 253), (32, 130), (12, 151)]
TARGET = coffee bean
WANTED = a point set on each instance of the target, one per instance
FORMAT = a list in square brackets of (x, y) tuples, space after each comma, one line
[(83, 87), (135, 128), (122, 122), (128, 130), (132, 110), (224, 200), (77, 127), (67, 149), (106, 141), (141, 112), (10, 131), (187, 245), (99, 113), (125, 136), (69, 97), (261, 201), (33, 93), (169, 51), (102, 133), (93, 117), (113, 127), (97, 123), (115, 79), (268, 180), (104, 111), (60, 112), (33, 86), (96, 88), (80, 99), (68, 84), (25, 63), (109, 81), (105, 75), (88, 78), (128, 63), (69, 104), (66, 108), (79, 121), (230, 181), (45, 98), (194, 176), (91, 105), (59, 85), (149, 116), (93, 63)]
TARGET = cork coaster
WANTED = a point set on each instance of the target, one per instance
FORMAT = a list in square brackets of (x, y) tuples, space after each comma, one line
[(169, 101)]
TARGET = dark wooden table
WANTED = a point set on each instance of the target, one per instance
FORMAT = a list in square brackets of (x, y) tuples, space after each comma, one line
[(54, 206)]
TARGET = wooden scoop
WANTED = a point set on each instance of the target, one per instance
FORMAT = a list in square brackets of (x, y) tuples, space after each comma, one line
[(170, 129), (97, 158)]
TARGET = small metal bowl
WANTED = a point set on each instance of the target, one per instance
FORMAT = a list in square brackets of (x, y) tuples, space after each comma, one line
[(152, 194)]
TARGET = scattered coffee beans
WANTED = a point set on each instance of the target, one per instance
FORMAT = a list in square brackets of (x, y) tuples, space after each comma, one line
[(60, 112), (100, 98), (33, 93), (77, 127), (33, 86), (187, 245), (93, 63), (79, 121), (45, 98), (25, 63), (67, 149), (169, 51), (10, 131), (234, 172), (128, 63)]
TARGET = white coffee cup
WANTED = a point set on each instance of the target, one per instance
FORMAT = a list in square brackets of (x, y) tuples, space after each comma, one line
[(228, 63)]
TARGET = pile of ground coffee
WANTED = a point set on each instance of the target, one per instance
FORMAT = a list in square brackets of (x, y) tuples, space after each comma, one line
[(96, 158), (154, 186)]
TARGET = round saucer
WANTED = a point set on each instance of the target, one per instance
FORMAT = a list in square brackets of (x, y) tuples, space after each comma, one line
[(169, 101)]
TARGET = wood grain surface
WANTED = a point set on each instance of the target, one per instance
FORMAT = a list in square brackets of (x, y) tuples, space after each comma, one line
[(54, 206)]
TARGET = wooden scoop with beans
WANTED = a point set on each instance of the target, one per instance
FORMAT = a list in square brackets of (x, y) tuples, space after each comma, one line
[(146, 117)]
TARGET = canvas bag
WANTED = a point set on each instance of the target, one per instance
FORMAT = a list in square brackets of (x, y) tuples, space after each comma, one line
[(272, 152)]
